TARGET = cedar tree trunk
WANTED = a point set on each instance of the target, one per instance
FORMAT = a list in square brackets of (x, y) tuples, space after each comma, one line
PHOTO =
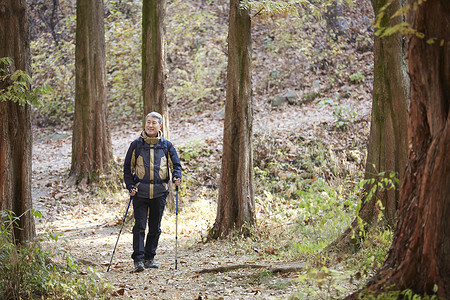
[(387, 141), (91, 143), (236, 204), (154, 60), (387, 150), (335, 19), (15, 121)]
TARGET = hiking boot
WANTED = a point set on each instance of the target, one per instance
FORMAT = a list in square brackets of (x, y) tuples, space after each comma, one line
[(149, 264), (138, 266)]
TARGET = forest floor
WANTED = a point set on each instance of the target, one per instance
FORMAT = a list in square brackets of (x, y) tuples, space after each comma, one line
[(88, 220)]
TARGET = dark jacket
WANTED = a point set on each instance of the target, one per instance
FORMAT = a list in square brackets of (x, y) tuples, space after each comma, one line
[(147, 167)]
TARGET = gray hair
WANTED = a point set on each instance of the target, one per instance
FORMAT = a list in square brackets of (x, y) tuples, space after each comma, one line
[(154, 114)]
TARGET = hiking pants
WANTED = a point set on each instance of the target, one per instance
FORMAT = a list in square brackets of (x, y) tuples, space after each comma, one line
[(150, 210)]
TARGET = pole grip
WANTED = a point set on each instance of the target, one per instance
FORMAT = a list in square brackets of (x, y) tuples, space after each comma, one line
[(176, 203), (176, 229)]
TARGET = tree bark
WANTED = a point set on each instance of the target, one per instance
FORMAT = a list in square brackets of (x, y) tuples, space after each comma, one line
[(387, 149), (236, 204), (420, 253), (387, 141), (15, 122), (154, 61), (91, 142), (335, 19)]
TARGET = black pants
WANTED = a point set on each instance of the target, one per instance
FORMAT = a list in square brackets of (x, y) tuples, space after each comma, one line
[(151, 210)]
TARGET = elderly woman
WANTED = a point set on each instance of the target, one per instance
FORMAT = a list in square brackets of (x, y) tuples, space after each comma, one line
[(146, 175)]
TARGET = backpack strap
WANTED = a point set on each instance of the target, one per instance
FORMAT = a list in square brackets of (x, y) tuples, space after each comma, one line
[(137, 150), (166, 148)]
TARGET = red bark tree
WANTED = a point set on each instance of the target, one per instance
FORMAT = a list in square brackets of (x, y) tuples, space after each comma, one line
[(387, 149), (236, 203), (154, 60), (15, 121), (91, 143)]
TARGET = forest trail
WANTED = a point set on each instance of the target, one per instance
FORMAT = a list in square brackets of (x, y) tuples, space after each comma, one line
[(89, 228)]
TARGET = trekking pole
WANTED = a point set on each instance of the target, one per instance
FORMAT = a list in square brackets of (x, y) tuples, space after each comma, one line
[(121, 227), (176, 227)]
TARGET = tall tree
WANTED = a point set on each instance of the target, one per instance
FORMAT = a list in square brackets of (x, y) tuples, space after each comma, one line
[(420, 253), (15, 121), (154, 60), (388, 146), (91, 142), (387, 150), (335, 18), (236, 204)]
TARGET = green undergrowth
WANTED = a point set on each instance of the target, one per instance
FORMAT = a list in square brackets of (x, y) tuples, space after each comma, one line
[(30, 272), (308, 195), (392, 294)]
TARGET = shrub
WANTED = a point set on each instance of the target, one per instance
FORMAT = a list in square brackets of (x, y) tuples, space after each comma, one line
[(357, 77), (28, 272), (193, 149)]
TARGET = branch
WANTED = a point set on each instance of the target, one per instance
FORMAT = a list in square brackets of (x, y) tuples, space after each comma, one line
[(274, 269)]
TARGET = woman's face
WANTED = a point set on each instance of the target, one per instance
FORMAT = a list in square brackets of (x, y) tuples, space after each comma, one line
[(152, 126)]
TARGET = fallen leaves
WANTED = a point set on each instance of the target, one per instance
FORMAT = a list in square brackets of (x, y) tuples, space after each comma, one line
[(119, 292)]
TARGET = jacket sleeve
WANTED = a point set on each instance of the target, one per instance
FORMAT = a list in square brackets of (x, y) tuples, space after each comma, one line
[(129, 166), (176, 173)]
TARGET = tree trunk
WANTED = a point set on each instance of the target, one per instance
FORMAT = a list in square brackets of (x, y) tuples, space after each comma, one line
[(387, 150), (420, 254), (388, 146), (15, 122), (236, 204), (335, 19), (154, 60), (91, 142)]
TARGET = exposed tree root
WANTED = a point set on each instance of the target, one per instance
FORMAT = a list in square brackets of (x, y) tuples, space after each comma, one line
[(274, 269)]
